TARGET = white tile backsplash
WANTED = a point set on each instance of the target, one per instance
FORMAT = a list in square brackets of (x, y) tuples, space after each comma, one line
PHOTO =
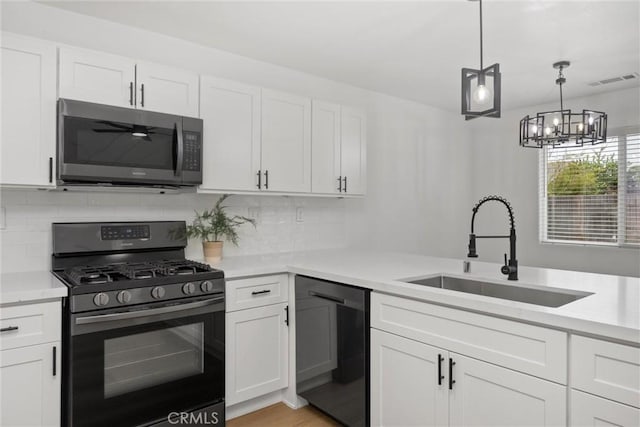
[(25, 242)]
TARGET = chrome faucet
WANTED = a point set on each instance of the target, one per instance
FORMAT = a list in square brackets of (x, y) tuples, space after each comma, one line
[(510, 267)]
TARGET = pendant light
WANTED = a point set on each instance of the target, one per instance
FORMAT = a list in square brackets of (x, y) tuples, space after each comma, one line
[(562, 127), (481, 88)]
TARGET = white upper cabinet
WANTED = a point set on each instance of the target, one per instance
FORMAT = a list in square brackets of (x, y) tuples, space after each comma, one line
[(286, 142), (325, 148), (103, 78), (28, 112), (166, 89), (97, 77), (231, 135), (353, 151), (338, 149)]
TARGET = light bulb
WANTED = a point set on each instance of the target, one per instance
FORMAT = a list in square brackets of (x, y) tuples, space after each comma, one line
[(547, 130), (482, 94), (590, 120), (556, 121), (534, 129), (580, 126)]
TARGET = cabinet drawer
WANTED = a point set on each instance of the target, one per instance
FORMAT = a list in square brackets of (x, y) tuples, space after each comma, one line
[(590, 410), (530, 349), (607, 369), (256, 292), (29, 324)]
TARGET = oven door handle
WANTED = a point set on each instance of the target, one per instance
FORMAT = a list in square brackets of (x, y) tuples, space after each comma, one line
[(146, 313)]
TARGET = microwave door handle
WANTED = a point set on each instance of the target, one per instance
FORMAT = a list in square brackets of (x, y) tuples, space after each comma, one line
[(102, 318), (180, 150)]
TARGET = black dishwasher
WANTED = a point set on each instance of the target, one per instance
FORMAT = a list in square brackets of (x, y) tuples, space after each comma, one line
[(332, 348)]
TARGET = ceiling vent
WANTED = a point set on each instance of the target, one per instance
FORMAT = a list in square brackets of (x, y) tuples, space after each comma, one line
[(630, 76)]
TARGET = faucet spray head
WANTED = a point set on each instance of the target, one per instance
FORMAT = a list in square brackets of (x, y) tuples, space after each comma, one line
[(472, 246)]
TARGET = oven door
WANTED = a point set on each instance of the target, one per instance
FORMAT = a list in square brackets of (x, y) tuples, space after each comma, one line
[(139, 367), (105, 144)]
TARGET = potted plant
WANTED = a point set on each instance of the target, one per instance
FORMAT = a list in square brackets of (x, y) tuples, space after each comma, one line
[(212, 226)]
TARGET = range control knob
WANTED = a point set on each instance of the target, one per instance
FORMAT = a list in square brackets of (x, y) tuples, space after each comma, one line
[(158, 292), (206, 286), (101, 299), (123, 297), (188, 288)]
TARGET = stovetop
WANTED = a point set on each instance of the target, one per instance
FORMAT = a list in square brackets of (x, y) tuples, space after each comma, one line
[(134, 272)]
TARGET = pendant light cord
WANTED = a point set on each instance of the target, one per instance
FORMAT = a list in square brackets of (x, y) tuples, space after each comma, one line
[(481, 64), (560, 81)]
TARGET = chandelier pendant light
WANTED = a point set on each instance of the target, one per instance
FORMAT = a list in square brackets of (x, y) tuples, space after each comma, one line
[(560, 127), (481, 88)]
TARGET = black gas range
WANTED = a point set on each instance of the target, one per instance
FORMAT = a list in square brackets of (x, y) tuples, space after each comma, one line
[(143, 335)]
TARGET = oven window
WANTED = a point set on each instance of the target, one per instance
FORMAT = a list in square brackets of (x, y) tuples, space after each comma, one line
[(107, 143), (136, 362)]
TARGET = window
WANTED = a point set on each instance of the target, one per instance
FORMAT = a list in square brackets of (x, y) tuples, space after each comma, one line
[(591, 194)]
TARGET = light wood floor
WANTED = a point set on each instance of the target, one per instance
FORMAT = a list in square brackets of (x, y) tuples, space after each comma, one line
[(280, 415)]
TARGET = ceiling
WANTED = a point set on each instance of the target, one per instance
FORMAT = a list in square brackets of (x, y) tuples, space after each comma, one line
[(413, 50)]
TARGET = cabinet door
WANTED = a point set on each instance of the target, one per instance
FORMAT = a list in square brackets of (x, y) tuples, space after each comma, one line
[(286, 142), (28, 112), (97, 77), (590, 410), (257, 352), (488, 395), (325, 148), (166, 89), (354, 150), (231, 153), (404, 382), (30, 390)]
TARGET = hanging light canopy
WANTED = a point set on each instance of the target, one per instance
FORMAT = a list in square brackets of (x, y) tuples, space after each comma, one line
[(481, 88), (556, 128)]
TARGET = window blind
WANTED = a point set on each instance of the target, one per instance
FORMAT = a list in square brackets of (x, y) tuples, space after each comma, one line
[(591, 194)]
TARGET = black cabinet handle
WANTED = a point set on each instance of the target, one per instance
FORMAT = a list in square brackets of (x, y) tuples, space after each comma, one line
[(451, 380), (266, 291), (440, 376), (50, 169), (259, 179), (340, 183), (345, 184), (55, 361), (10, 328), (286, 315), (266, 179), (142, 94), (130, 93)]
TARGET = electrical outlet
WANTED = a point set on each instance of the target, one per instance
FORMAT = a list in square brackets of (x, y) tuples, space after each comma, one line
[(3, 218), (300, 214), (254, 213)]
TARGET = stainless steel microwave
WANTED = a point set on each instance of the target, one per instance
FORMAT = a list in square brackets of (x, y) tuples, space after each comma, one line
[(106, 145)]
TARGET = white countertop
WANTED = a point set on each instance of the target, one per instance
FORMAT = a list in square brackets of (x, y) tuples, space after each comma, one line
[(613, 311), (30, 286)]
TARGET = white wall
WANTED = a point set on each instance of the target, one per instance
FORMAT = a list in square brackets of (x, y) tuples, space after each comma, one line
[(418, 170), (500, 166), (26, 240)]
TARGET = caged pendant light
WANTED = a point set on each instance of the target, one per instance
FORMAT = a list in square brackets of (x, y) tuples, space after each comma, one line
[(560, 127), (481, 88)]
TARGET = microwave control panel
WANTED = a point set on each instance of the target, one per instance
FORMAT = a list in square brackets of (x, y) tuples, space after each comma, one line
[(192, 151)]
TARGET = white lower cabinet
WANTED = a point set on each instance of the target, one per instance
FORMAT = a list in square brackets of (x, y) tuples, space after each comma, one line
[(30, 384), (438, 366), (404, 382), (488, 395), (590, 410), (257, 338), (411, 385)]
